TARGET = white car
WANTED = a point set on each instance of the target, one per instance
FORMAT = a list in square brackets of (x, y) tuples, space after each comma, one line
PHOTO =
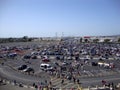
[(46, 67), (100, 63)]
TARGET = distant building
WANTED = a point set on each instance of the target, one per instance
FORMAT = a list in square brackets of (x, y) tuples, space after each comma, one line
[(47, 39), (84, 39)]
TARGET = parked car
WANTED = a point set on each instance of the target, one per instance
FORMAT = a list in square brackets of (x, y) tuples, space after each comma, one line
[(69, 77), (46, 60), (94, 64), (69, 58), (12, 55), (63, 68), (58, 57), (28, 69), (22, 67), (65, 63), (34, 57), (1, 56), (50, 68), (27, 57), (46, 67), (100, 64), (56, 63)]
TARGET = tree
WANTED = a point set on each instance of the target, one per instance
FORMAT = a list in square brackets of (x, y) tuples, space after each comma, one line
[(81, 40), (119, 40), (95, 40), (10, 39), (30, 39), (106, 40), (86, 40), (25, 39)]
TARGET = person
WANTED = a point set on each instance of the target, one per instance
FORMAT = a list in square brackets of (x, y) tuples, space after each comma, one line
[(2, 63), (69, 77), (62, 81), (74, 79), (45, 81), (41, 83), (14, 82), (39, 87), (112, 85), (78, 82), (50, 83), (72, 89), (36, 87), (103, 82), (1, 81), (20, 85), (78, 73), (33, 84), (45, 88)]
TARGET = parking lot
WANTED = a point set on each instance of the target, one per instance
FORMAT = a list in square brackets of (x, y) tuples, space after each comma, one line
[(66, 60), (86, 70)]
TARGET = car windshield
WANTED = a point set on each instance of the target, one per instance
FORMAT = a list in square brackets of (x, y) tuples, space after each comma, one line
[(49, 66)]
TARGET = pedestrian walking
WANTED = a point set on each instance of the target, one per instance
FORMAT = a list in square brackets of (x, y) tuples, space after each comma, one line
[(103, 82), (36, 87), (45, 81), (78, 82), (33, 84), (74, 80), (62, 81), (14, 82), (50, 83)]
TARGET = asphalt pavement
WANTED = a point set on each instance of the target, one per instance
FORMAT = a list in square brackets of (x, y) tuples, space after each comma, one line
[(11, 87), (89, 75), (10, 74)]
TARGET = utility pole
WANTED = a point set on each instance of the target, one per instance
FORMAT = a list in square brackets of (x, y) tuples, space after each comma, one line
[(56, 35), (62, 34)]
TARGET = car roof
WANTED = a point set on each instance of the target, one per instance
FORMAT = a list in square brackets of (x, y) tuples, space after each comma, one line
[(44, 64)]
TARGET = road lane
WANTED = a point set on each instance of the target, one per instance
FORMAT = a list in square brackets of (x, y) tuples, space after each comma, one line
[(8, 73)]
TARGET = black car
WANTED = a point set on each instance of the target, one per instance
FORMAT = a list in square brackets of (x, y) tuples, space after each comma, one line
[(94, 64), (27, 57), (69, 77), (1, 56), (65, 63), (34, 57), (51, 70), (56, 63), (22, 67), (58, 57)]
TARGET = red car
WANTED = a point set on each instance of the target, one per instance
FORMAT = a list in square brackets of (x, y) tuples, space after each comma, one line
[(46, 60)]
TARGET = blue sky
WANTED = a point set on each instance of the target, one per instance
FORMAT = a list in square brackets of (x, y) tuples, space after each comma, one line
[(43, 18)]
